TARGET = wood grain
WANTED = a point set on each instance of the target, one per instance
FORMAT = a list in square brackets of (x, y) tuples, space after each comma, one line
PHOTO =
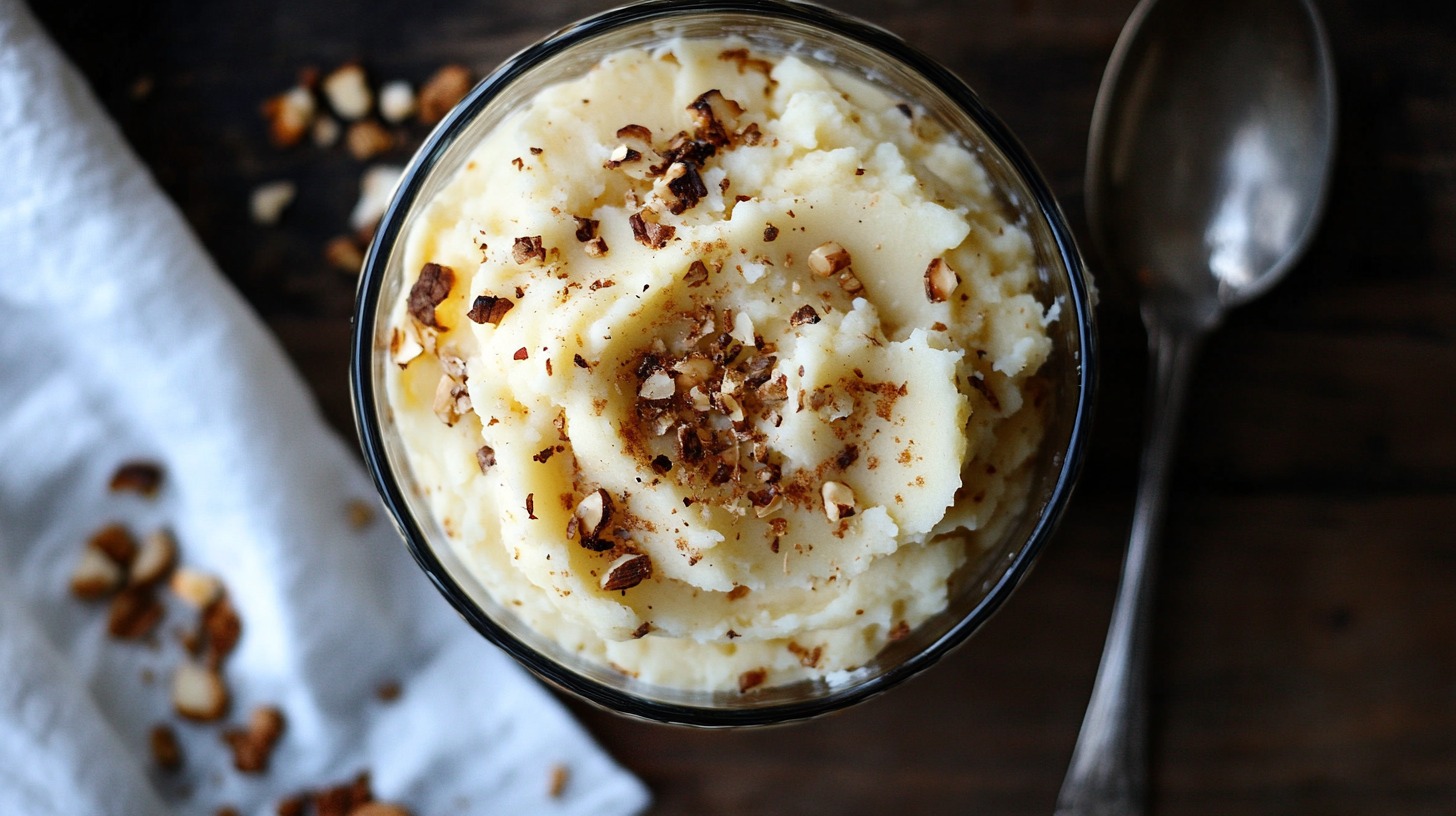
[(1305, 657)]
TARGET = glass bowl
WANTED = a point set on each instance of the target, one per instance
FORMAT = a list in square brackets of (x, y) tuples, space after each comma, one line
[(818, 35)]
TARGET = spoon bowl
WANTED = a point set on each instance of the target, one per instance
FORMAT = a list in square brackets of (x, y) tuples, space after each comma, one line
[(1211, 150), (1210, 154)]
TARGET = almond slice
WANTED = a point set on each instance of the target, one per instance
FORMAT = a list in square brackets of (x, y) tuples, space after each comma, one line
[(594, 511), (838, 501), (828, 258), (198, 693), (658, 386), (940, 281), (627, 571)]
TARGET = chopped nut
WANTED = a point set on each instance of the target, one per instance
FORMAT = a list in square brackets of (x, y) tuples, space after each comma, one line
[(596, 247), (360, 513), (683, 187), (731, 407), (622, 154), (693, 370), (347, 90), (270, 200), (198, 589), (442, 92), (396, 101), (828, 258), (751, 679), (198, 693), (775, 390), (838, 501), (690, 447), (804, 316), (489, 309), (223, 628), (586, 228), (697, 274), (366, 139), (940, 281), (847, 457), (661, 464), (849, 283), (627, 571), (430, 290), (452, 400), (144, 478), (155, 559), (378, 809), (376, 186), (715, 117), (134, 613), (770, 233), (485, 458), (640, 133), (166, 751), (326, 131), (766, 502), (559, 778), (528, 247), (96, 575), (593, 512), (342, 252), (116, 542), (289, 116), (650, 233), (347, 799), (253, 746), (658, 386)]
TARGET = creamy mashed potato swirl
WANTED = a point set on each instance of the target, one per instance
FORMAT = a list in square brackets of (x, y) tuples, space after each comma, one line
[(717, 365)]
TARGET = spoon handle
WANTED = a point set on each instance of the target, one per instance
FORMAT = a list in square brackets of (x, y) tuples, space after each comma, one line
[(1108, 773)]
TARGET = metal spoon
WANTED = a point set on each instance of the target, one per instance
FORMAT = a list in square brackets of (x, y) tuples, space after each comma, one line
[(1210, 154)]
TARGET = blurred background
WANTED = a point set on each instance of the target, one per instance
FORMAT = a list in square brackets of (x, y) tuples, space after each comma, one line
[(1305, 637)]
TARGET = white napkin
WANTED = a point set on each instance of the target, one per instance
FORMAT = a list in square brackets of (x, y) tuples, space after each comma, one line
[(119, 340)]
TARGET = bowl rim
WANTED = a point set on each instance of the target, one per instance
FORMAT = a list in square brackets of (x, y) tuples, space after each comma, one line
[(367, 418)]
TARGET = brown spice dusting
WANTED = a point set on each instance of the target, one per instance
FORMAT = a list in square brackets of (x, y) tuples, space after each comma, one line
[(430, 290), (751, 679), (142, 478), (489, 309), (527, 248)]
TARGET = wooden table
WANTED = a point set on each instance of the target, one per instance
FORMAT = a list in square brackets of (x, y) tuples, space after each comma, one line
[(1306, 618)]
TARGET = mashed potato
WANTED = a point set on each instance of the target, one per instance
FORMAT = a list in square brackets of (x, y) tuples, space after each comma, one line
[(717, 364)]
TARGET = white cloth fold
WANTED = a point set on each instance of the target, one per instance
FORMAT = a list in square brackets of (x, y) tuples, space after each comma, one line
[(119, 339)]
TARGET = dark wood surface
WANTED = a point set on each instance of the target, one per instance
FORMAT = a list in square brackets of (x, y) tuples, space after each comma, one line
[(1305, 639)]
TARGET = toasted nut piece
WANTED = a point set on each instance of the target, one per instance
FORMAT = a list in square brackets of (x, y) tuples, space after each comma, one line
[(528, 247), (379, 809), (838, 501), (96, 575), (396, 101), (689, 445), (849, 283), (828, 258), (650, 233), (198, 589), (366, 139), (775, 502), (347, 89), (596, 247), (144, 478), (697, 274), (405, 345), (115, 542), (693, 370), (376, 187), (753, 678), (253, 747), (270, 200), (559, 777), (289, 116), (223, 627), (940, 281), (442, 91), (166, 751), (452, 400), (342, 252), (157, 557), (594, 511), (731, 407), (627, 571), (326, 131), (715, 117), (430, 290), (485, 458), (804, 316), (658, 386), (586, 228), (198, 693), (489, 309)]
